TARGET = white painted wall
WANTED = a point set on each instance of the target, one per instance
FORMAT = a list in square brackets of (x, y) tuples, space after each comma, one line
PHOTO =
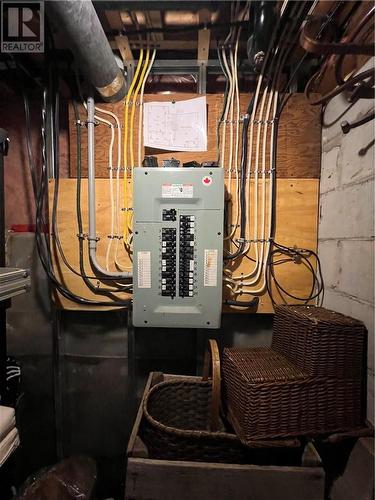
[(346, 221)]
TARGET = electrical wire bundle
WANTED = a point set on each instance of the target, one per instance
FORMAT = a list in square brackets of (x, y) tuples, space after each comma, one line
[(281, 254), (50, 164), (257, 181), (228, 57), (49, 247), (252, 158), (136, 87)]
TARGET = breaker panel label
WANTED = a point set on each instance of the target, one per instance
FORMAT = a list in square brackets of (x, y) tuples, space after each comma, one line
[(177, 191), (210, 267), (144, 269)]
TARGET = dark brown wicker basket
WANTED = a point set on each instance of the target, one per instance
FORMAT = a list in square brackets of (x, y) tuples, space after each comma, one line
[(268, 397), (319, 341), (181, 418), (176, 425), (310, 382), (181, 422)]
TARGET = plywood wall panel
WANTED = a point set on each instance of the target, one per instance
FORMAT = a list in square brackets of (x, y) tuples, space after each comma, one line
[(297, 202), (298, 139)]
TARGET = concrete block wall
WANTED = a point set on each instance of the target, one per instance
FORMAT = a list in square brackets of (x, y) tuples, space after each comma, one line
[(346, 219)]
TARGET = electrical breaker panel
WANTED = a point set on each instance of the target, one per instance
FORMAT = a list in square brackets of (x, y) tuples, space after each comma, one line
[(178, 247)]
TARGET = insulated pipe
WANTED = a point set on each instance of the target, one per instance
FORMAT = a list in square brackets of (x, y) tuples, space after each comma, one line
[(93, 241), (83, 32)]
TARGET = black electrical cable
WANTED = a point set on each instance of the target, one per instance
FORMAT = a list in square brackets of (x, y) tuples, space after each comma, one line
[(33, 173), (245, 254), (244, 148), (253, 303), (299, 256), (292, 254), (303, 255), (41, 230), (55, 231), (54, 105), (46, 259)]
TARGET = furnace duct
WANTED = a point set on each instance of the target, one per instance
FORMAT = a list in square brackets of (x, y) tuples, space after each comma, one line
[(83, 32)]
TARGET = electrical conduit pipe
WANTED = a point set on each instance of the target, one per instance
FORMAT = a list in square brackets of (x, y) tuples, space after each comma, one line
[(91, 196)]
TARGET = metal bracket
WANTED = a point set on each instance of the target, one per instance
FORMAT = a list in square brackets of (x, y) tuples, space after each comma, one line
[(114, 237), (204, 36)]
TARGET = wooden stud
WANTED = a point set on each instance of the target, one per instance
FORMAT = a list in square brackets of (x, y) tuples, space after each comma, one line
[(156, 21), (114, 20), (123, 46)]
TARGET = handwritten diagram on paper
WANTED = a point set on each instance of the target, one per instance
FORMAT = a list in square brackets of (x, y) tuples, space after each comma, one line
[(176, 126)]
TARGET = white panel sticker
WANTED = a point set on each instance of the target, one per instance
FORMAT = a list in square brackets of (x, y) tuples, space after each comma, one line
[(177, 191), (144, 269), (210, 267)]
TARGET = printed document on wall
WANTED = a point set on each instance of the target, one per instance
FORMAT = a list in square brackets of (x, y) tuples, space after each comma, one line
[(176, 126)]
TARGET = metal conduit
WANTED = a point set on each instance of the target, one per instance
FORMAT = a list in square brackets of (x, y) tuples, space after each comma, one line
[(92, 238)]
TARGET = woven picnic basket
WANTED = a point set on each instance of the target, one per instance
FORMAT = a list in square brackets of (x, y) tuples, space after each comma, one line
[(298, 387), (320, 342)]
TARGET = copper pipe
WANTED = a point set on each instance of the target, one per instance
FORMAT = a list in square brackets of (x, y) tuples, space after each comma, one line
[(310, 44), (351, 37)]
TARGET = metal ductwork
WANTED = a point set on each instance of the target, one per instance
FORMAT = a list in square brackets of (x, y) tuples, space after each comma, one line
[(85, 37)]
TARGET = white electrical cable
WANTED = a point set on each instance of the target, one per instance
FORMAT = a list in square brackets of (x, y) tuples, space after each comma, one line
[(114, 201), (110, 163), (266, 244), (231, 114), (226, 110), (252, 122), (234, 103), (110, 167), (229, 96)]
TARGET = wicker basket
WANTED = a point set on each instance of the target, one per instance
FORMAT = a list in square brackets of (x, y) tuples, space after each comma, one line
[(293, 389), (268, 397), (320, 342), (181, 419)]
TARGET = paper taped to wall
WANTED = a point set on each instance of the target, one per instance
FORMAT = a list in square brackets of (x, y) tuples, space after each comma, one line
[(176, 126)]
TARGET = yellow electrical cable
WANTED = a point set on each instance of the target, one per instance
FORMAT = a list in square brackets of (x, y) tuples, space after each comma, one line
[(127, 100), (140, 82), (131, 128)]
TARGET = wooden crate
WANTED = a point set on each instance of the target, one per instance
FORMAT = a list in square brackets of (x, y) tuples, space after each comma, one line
[(177, 480)]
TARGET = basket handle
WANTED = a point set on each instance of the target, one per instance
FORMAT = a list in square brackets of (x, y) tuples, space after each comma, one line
[(212, 354)]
